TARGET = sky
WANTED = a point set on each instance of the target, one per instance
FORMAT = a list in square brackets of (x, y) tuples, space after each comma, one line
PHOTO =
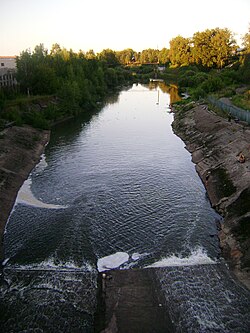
[(114, 24)]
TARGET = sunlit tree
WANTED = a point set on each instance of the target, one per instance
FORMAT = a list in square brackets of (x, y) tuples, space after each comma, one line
[(126, 56), (90, 54), (109, 57), (246, 40), (213, 47), (180, 51), (164, 56)]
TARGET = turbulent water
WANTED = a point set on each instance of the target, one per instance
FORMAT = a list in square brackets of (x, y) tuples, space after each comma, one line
[(116, 190)]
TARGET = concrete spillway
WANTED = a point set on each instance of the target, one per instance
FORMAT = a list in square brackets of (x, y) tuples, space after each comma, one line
[(197, 298)]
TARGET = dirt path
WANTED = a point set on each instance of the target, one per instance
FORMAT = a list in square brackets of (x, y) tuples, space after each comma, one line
[(20, 151)]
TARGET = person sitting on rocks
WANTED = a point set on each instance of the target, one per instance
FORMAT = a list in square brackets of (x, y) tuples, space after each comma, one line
[(241, 158)]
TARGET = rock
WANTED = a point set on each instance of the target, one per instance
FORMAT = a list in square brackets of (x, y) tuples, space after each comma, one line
[(215, 144), (23, 147)]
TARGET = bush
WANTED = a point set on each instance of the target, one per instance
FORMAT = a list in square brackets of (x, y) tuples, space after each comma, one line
[(212, 84), (198, 93), (199, 78)]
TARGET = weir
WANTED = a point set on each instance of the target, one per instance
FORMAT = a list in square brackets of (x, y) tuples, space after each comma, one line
[(189, 298), (172, 299), (118, 192)]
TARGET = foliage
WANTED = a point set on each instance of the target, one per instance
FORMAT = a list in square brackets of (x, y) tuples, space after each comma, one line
[(242, 100), (79, 80), (246, 40), (244, 69), (180, 51), (109, 57), (212, 47), (204, 63), (212, 84)]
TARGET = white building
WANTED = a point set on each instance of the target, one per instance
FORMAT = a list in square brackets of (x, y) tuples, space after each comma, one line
[(7, 71)]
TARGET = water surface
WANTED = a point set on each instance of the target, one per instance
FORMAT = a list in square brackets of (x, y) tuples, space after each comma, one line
[(117, 189)]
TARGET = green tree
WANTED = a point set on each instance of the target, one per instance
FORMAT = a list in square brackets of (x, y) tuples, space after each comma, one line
[(90, 54), (108, 56), (164, 56), (126, 56), (180, 51), (212, 48), (25, 67), (246, 40), (149, 56)]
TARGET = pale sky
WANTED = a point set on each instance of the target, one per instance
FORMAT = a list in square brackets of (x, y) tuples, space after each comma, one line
[(114, 24)]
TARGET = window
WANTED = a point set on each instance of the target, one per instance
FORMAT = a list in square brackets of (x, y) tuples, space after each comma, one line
[(2, 64)]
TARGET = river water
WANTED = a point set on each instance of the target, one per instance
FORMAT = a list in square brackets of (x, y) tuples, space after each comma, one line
[(116, 189)]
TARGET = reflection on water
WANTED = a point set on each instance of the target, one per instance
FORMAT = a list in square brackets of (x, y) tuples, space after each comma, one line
[(131, 198), (170, 89)]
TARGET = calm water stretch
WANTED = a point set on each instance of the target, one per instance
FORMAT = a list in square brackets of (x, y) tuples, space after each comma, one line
[(117, 189)]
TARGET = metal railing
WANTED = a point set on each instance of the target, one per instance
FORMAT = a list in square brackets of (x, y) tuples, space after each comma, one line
[(236, 112)]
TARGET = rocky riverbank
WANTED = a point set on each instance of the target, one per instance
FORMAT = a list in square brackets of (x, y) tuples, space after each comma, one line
[(20, 151), (215, 144)]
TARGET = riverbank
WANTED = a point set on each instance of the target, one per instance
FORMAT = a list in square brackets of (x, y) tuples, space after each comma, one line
[(20, 151), (215, 144)]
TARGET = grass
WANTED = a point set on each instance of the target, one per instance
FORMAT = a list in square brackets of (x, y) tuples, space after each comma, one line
[(26, 99), (242, 100)]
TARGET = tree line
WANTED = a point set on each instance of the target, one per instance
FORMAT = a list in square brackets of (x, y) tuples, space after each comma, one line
[(79, 82), (212, 48), (82, 80)]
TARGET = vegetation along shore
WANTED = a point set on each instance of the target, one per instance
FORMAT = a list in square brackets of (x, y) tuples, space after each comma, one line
[(61, 84)]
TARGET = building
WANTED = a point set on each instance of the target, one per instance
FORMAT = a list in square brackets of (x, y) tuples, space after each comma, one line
[(8, 72)]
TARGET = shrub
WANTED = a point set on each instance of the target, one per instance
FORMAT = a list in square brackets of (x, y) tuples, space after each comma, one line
[(212, 84), (199, 78), (198, 93)]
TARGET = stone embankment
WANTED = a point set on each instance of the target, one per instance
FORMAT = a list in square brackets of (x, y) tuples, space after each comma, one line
[(216, 144), (20, 151)]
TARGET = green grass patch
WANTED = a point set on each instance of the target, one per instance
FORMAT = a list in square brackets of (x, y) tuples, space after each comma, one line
[(242, 101), (20, 100)]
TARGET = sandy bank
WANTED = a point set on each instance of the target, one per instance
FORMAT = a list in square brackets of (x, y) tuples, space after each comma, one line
[(20, 151), (215, 144)]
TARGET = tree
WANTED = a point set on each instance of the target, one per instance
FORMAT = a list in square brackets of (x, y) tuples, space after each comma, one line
[(55, 49), (246, 40), (212, 48), (90, 54), (24, 70), (149, 56), (126, 56), (164, 56), (108, 56), (180, 51)]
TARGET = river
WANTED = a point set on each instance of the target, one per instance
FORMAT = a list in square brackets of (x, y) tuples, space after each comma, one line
[(116, 189)]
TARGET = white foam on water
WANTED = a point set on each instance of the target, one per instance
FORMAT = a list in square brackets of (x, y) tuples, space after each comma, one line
[(5, 261), (197, 257), (42, 165), (136, 256), (26, 197), (50, 264), (112, 261)]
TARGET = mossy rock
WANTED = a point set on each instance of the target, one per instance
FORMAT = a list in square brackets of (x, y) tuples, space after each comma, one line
[(224, 185), (242, 205)]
